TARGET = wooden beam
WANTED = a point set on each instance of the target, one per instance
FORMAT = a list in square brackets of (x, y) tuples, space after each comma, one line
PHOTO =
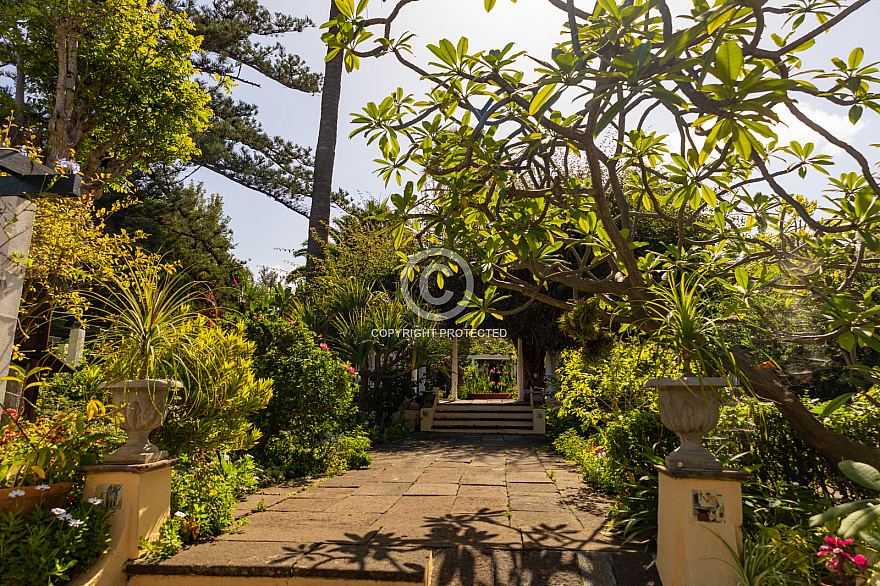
[(40, 184), (15, 163)]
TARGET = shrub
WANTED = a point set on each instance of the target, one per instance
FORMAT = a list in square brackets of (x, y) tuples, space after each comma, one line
[(312, 389), (391, 395), (205, 491), (46, 547), (285, 456), (220, 395), (596, 392)]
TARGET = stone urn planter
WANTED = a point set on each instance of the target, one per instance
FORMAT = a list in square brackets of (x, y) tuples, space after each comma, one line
[(689, 406), (23, 500), (143, 407)]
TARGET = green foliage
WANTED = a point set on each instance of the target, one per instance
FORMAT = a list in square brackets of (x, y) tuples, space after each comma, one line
[(774, 556), (391, 395), (754, 433), (205, 491), (285, 456), (183, 224), (68, 390), (598, 391), (147, 119), (312, 389), (148, 312), (221, 393), (389, 434), (42, 548), (856, 519), (51, 449)]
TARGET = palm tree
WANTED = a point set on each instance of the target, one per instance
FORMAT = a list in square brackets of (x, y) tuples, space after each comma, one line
[(325, 154)]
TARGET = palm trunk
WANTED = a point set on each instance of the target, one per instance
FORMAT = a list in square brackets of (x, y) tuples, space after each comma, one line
[(325, 153)]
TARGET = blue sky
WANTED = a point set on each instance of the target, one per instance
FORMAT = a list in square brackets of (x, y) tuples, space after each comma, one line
[(264, 230)]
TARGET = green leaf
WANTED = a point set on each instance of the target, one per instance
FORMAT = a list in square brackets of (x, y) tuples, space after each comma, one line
[(855, 113), (837, 512), (847, 341), (742, 277), (542, 96), (864, 474), (855, 57), (872, 539), (729, 60), (857, 521), (489, 4), (835, 404)]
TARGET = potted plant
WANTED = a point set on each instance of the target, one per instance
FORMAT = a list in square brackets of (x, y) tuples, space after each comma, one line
[(39, 459), (147, 337), (689, 404)]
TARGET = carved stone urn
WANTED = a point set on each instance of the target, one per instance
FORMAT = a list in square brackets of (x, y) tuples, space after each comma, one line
[(142, 406), (689, 406)]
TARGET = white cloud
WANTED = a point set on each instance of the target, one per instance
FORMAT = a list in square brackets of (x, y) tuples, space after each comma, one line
[(790, 128)]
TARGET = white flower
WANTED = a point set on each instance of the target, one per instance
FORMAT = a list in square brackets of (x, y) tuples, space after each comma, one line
[(95, 501), (42, 487), (180, 514), (75, 522), (66, 517), (57, 511), (16, 493)]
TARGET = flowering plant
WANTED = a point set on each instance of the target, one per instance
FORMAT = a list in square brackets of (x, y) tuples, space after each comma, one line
[(850, 569), (51, 448)]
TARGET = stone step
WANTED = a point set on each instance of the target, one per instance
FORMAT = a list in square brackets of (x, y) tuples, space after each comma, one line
[(499, 429), (527, 416), (481, 423), (490, 408), (271, 563)]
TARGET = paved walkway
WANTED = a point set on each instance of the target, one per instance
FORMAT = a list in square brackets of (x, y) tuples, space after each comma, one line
[(494, 509)]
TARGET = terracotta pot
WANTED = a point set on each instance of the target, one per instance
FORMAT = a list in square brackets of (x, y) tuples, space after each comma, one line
[(689, 406), (56, 496), (143, 407)]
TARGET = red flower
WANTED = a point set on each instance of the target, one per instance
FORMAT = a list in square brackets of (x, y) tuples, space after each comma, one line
[(323, 346)]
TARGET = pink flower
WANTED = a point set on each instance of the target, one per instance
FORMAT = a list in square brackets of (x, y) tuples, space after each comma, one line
[(350, 369), (860, 560), (323, 346)]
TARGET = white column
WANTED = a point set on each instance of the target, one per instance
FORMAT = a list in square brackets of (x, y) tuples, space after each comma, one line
[(421, 380), (75, 345), (18, 227), (520, 372), (549, 371), (454, 392)]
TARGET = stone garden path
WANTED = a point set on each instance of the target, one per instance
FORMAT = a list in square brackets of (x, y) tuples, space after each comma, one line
[(493, 509)]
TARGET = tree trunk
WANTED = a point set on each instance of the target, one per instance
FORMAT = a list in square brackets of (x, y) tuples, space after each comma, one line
[(832, 445), (325, 153), (67, 38)]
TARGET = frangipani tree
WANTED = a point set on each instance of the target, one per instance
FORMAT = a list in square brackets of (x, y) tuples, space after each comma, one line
[(497, 148)]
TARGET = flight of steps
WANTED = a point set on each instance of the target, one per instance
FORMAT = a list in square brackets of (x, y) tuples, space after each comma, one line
[(461, 417)]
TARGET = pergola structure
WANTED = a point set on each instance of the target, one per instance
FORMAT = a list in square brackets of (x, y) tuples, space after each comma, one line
[(21, 180)]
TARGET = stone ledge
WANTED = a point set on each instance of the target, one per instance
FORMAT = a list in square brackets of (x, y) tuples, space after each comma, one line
[(131, 468), (280, 560), (729, 474)]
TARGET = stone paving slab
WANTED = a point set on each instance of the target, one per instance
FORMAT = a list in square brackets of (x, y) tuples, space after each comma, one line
[(253, 501), (494, 510)]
